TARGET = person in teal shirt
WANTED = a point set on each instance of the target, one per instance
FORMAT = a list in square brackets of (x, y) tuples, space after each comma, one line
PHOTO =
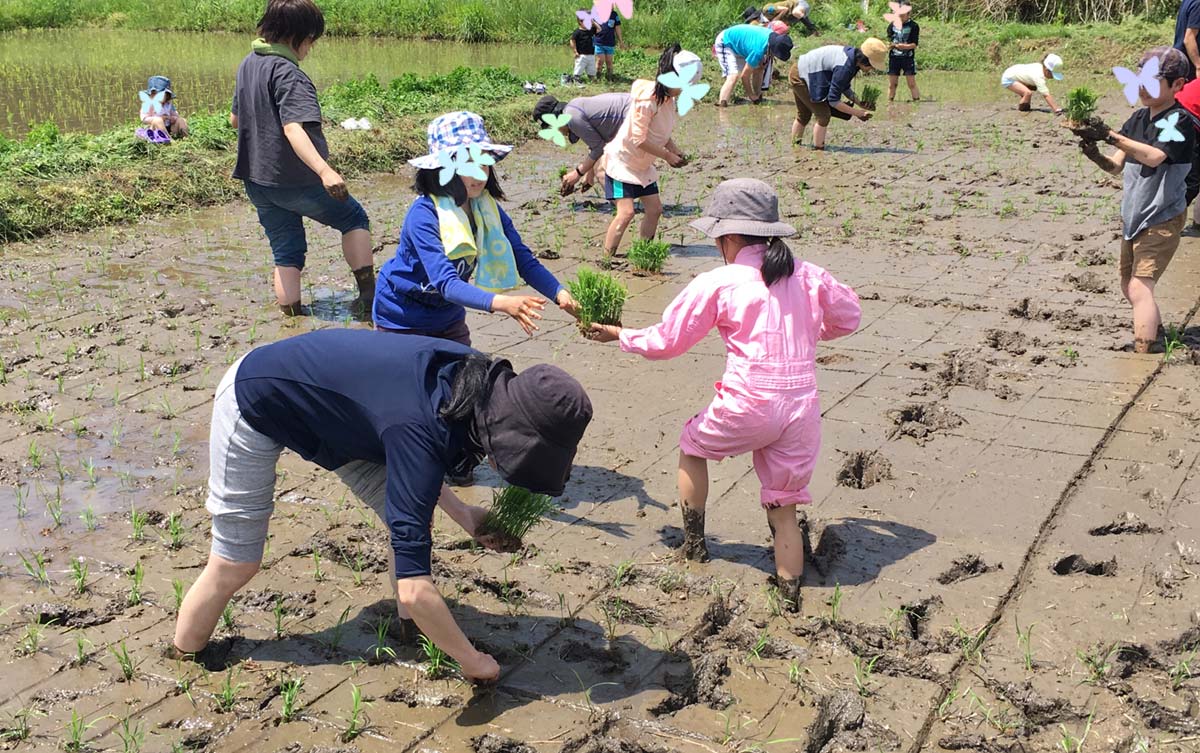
[(743, 51)]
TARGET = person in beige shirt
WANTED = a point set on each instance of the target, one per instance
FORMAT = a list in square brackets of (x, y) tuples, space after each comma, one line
[(1025, 79)]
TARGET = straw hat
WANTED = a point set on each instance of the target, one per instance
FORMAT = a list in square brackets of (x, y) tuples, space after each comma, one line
[(876, 51)]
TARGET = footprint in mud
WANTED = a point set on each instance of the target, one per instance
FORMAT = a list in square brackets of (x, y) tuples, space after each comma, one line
[(702, 684), (1127, 523), (920, 420), (608, 661), (1066, 320), (966, 567), (1088, 282), (490, 743), (842, 724), (413, 699), (863, 469), (1010, 342), (66, 616), (830, 359), (1075, 563)]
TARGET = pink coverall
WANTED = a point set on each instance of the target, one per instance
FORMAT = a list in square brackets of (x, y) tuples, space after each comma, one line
[(767, 400)]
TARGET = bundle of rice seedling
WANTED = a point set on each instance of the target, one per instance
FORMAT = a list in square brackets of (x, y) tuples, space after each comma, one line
[(1081, 105), (648, 254), (600, 297), (870, 96), (514, 511)]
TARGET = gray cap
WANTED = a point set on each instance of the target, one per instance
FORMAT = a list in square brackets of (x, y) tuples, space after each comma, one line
[(743, 206)]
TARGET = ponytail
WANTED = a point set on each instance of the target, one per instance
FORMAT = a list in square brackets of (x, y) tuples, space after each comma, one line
[(778, 262), (666, 64), (471, 387)]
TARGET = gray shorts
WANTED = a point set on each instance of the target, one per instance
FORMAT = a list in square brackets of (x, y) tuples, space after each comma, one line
[(241, 479)]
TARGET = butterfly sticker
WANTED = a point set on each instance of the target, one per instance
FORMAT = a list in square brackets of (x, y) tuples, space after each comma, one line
[(1167, 128), (1146, 78), (554, 132), (587, 18), (602, 9), (690, 93), (465, 161), (152, 105), (898, 9)]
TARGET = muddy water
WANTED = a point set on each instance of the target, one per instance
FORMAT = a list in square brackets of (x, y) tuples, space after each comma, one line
[(88, 79), (1007, 427)]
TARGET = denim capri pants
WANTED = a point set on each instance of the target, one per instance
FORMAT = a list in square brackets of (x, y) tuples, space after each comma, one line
[(281, 212), (241, 480)]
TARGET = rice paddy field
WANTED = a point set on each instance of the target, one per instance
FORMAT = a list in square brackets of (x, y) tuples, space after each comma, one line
[(1005, 510)]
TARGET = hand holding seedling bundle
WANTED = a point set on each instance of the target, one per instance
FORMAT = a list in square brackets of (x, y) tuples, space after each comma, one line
[(515, 510), (600, 300)]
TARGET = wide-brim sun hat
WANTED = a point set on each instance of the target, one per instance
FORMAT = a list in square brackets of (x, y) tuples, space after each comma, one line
[(876, 51), (531, 425), (449, 132), (159, 84), (743, 206), (1054, 64), (780, 46)]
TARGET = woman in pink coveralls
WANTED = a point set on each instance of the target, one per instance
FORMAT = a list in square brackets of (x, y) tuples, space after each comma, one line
[(770, 312)]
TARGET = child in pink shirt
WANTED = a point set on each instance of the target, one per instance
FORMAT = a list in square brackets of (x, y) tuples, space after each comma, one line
[(770, 312)]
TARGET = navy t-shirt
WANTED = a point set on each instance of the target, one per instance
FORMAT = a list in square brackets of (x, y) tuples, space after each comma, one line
[(584, 44), (339, 395), (607, 36), (1188, 18)]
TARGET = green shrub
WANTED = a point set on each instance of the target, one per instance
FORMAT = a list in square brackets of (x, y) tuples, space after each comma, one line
[(600, 297), (649, 254)]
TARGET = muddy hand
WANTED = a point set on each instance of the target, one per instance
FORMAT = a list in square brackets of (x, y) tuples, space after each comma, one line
[(481, 668), (499, 542), (335, 186), (603, 333), (567, 187)]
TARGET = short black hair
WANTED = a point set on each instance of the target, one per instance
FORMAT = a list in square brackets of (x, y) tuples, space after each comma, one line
[(291, 22), (427, 184)]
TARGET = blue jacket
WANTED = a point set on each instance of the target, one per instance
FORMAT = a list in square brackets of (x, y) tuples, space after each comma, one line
[(419, 288)]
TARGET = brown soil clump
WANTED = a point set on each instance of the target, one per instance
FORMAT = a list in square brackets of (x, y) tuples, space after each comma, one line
[(961, 370), (490, 743), (1076, 563), (965, 567), (1010, 342), (864, 469), (608, 661), (701, 685), (1088, 282), (364, 551), (829, 359), (980, 744), (842, 725), (920, 420), (1038, 710), (66, 616), (1126, 523), (1067, 320)]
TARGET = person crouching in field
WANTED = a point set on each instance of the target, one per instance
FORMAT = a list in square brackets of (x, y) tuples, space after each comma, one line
[(389, 415), (743, 52), (820, 77), (161, 120), (1155, 151), (1025, 79), (594, 121), (282, 155), (771, 311)]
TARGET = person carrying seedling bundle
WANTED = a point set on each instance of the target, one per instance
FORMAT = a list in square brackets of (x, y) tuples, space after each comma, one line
[(282, 153), (1024, 79), (388, 415), (903, 57), (770, 311), (629, 171), (743, 52), (595, 121), (161, 120), (1155, 151), (821, 77)]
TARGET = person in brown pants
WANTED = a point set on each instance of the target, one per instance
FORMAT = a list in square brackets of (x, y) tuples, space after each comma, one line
[(820, 78)]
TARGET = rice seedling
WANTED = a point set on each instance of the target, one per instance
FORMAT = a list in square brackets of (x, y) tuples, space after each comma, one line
[(514, 511), (601, 298), (1172, 342), (438, 663), (177, 593), (31, 640), (279, 613), (1081, 105), (1068, 743), (998, 718), (79, 574), (670, 580), (835, 602), (21, 494), (227, 620), (76, 729), (131, 735), (357, 722), (81, 652), (89, 468), (1097, 662), (760, 644), (18, 727), (35, 455), (971, 644), (135, 584), (124, 660), (1181, 671), (356, 568), (862, 674), (1023, 640), (54, 508), (381, 649), (89, 519), (338, 632), (289, 693), (623, 573), (870, 96), (35, 566), (318, 574), (593, 710), (175, 531), (227, 692), (648, 254)]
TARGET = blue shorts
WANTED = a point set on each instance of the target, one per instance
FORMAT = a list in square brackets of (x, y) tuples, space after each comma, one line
[(615, 189), (603, 49), (281, 212)]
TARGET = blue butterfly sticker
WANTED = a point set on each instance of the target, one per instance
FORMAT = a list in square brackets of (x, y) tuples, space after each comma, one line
[(1168, 129), (554, 133), (690, 93), (152, 105), (465, 161)]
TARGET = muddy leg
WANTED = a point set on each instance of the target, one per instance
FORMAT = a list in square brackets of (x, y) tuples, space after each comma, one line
[(287, 290), (789, 553), (206, 599), (1146, 317), (618, 226), (693, 496), (806, 536)]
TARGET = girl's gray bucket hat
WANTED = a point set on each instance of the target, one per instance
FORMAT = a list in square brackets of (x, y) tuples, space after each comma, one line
[(743, 206)]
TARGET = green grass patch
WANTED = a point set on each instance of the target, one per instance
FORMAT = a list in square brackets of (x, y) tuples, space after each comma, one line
[(648, 254), (601, 297)]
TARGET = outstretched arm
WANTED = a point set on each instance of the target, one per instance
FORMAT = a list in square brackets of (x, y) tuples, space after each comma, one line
[(685, 322)]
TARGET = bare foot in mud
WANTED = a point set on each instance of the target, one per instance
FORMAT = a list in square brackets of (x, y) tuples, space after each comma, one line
[(790, 589), (694, 547)]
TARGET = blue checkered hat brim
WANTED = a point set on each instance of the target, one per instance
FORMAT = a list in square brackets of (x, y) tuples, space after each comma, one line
[(453, 130)]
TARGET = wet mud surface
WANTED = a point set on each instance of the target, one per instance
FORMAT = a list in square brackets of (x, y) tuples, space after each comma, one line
[(987, 413)]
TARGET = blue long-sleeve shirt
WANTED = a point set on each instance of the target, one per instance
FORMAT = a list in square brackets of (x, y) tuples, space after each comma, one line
[(421, 289), (338, 395)]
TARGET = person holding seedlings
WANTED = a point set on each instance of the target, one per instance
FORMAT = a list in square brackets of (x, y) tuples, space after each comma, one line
[(453, 232), (282, 153), (161, 120), (608, 37), (821, 77), (770, 311), (645, 136), (595, 121), (743, 52), (903, 56), (389, 415), (1024, 79), (583, 45), (1155, 151)]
